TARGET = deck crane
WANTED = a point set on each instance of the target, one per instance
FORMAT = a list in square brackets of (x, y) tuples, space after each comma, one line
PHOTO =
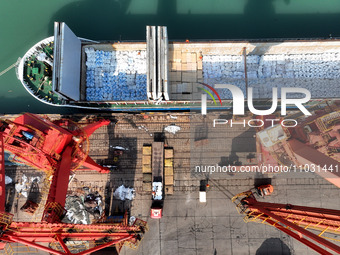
[(57, 148), (296, 221)]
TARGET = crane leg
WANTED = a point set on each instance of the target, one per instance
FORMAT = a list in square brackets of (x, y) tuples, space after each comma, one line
[(2, 176), (92, 165)]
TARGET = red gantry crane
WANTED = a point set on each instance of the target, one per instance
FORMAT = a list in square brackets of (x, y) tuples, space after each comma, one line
[(56, 148), (296, 221)]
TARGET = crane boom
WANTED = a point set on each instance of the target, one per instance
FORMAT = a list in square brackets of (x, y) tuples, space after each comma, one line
[(296, 221)]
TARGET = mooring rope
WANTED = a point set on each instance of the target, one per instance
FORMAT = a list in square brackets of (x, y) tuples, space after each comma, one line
[(10, 67)]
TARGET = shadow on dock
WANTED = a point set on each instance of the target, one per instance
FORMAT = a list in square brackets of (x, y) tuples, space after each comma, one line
[(123, 159), (273, 246), (211, 19)]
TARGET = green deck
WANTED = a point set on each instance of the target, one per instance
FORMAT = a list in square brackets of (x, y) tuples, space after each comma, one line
[(39, 76)]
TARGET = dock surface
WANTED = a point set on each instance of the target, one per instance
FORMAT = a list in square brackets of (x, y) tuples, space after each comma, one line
[(188, 226)]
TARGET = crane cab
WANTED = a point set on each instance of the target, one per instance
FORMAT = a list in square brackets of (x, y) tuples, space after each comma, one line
[(265, 190), (156, 209)]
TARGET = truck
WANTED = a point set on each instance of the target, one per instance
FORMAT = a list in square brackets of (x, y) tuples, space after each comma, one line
[(158, 174), (157, 180)]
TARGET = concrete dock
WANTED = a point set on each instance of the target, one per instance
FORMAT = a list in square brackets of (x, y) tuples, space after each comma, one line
[(188, 226)]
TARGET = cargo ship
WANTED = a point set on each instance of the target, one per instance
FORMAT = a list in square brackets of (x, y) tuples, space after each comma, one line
[(158, 75)]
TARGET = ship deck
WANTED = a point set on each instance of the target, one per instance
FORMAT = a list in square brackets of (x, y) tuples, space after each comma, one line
[(38, 75), (313, 65), (262, 65)]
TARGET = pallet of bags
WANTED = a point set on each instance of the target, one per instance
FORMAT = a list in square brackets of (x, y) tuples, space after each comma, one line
[(146, 168), (169, 171)]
